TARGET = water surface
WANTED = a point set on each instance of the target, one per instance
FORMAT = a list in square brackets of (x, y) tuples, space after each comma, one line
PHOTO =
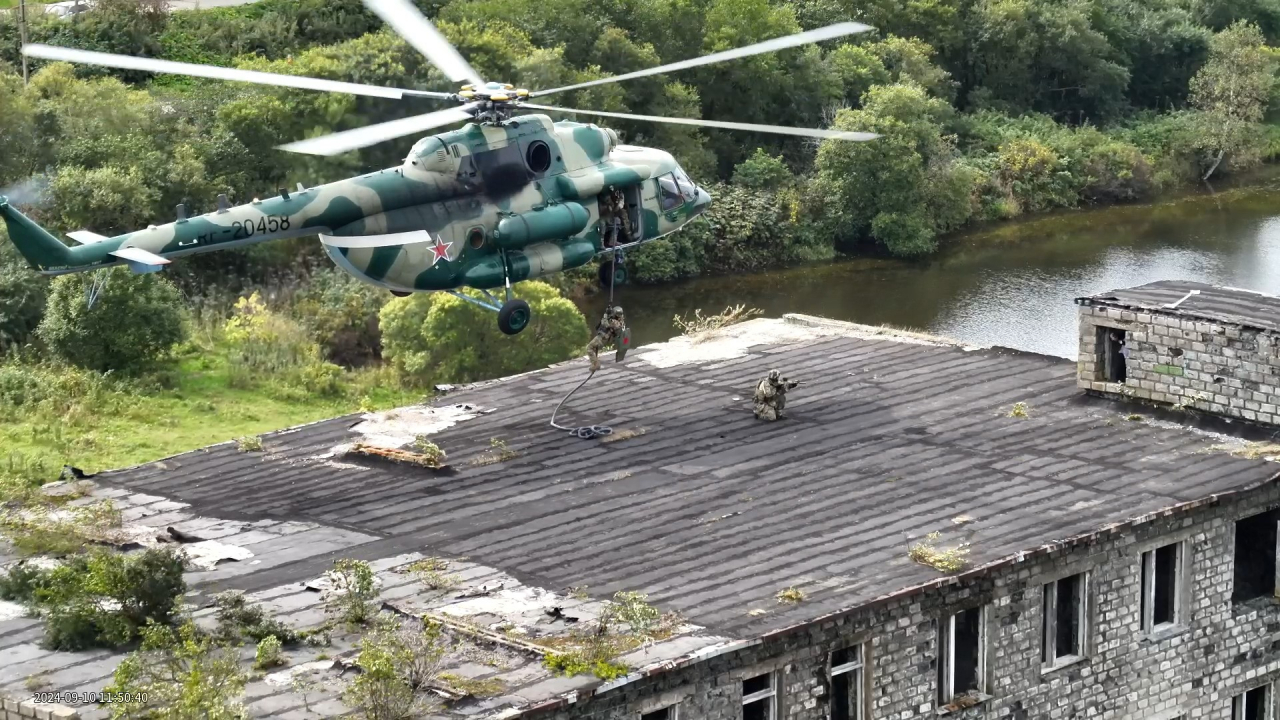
[(1012, 285)]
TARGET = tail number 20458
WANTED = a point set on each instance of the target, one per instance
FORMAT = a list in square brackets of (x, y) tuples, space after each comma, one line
[(260, 226)]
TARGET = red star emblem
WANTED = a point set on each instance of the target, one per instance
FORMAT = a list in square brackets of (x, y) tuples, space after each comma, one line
[(441, 250)]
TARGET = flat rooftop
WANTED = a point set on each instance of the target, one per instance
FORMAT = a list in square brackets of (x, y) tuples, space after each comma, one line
[(692, 500), (1246, 308), (712, 512)]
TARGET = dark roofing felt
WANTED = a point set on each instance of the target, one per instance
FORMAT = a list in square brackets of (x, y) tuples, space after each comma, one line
[(712, 512), (1219, 304)]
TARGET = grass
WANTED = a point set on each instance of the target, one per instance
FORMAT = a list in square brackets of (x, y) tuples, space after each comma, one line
[(698, 324), (950, 560), (197, 408)]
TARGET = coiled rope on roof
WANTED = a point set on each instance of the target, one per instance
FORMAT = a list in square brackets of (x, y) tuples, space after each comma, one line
[(586, 432)]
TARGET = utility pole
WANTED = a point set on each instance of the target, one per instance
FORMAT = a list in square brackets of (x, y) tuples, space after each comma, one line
[(22, 27)]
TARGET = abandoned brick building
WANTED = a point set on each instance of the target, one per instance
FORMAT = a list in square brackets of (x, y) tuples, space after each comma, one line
[(1116, 546)]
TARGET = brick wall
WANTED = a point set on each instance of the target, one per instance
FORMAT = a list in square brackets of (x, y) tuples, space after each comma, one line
[(18, 709), (1214, 367), (1192, 670)]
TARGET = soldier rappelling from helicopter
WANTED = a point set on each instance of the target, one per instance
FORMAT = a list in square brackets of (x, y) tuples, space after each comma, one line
[(612, 330)]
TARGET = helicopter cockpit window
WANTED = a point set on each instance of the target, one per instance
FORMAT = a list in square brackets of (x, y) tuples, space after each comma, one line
[(669, 197), (688, 190)]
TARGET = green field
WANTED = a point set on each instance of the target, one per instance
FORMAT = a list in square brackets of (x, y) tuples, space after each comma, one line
[(101, 431)]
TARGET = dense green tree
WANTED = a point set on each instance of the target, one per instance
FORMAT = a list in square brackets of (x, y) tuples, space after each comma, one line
[(762, 171), (440, 338), (22, 297), (1231, 92), (134, 321), (878, 190)]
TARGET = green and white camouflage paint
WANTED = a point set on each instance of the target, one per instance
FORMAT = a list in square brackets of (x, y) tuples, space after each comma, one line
[(464, 207)]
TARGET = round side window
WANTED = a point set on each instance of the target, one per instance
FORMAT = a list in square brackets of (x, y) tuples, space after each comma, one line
[(476, 237), (538, 156)]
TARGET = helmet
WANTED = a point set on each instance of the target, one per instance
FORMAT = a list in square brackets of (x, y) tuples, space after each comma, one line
[(774, 375), (617, 311)]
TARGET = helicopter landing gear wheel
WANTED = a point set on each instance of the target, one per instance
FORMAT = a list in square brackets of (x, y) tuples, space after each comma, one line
[(612, 273), (514, 316)]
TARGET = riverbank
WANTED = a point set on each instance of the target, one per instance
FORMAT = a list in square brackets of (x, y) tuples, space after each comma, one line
[(1011, 283)]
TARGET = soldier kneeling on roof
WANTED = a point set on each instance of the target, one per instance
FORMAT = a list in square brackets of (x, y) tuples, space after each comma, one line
[(771, 396)]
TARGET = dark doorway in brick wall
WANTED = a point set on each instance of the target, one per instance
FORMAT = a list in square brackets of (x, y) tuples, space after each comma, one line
[(661, 714), (1255, 557), (1113, 354)]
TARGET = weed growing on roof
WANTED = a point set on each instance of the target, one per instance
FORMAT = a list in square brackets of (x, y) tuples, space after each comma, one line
[(474, 687), (626, 622), (237, 619), (1249, 450), (429, 450), (498, 452), (1019, 410), (1133, 418), (352, 591), (179, 673), (927, 553), (268, 654), (790, 595), (249, 443), (39, 526), (731, 315), (431, 572)]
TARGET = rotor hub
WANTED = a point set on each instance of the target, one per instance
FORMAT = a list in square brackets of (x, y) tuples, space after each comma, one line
[(497, 100)]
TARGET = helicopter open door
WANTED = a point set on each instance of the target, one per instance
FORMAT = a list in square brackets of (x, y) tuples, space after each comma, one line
[(631, 194)]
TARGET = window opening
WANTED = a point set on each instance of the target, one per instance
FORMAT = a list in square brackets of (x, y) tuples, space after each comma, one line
[(669, 197), (846, 683), (1161, 587), (1255, 557), (666, 713), (1251, 705), (757, 698), (960, 649), (1064, 620)]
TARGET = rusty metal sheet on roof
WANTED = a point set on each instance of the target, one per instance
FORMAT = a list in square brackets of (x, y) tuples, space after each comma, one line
[(1234, 306)]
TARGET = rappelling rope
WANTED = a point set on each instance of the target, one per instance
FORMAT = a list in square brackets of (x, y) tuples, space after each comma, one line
[(585, 432)]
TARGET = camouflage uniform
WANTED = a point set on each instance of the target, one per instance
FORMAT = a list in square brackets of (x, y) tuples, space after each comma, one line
[(621, 219), (771, 396), (607, 333)]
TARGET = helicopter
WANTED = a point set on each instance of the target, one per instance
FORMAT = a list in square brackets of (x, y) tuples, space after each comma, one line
[(507, 197)]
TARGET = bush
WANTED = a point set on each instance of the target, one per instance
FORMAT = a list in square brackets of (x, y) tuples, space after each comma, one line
[(237, 619), (268, 654), (341, 314), (352, 591), (23, 294), (105, 598), (266, 344), (441, 338), (133, 324), (179, 674)]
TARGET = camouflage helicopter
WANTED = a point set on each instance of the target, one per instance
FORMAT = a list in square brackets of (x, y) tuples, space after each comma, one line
[(505, 198)]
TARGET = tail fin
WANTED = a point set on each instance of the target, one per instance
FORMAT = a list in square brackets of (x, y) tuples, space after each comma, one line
[(42, 250)]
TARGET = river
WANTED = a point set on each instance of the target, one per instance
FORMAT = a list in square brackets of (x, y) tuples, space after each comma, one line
[(1013, 284)]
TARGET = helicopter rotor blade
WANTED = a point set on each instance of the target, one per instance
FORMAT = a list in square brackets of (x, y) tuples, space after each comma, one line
[(810, 36), (346, 140), (418, 31), (776, 129), (126, 62)]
